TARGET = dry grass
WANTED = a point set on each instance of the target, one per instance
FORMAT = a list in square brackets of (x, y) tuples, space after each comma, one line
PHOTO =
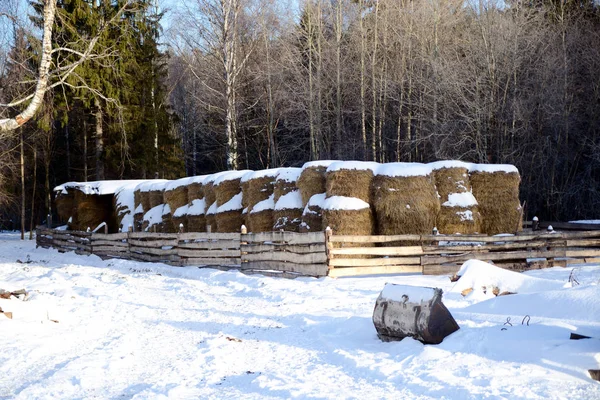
[(405, 205), (182, 220), (92, 210), (156, 198), (145, 200), (229, 221), (452, 220), (261, 221), (177, 197), (350, 183), (498, 197), (350, 222), (288, 219), (283, 187), (209, 195), (226, 190), (167, 224), (311, 181), (195, 223), (65, 205), (138, 222), (312, 219), (256, 190), (195, 191)]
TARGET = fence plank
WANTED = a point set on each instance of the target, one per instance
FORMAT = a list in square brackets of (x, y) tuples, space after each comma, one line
[(379, 251), (152, 235), (153, 243), (514, 255), (116, 243), (299, 249), (304, 269), (431, 249), (208, 253), (116, 249), (218, 244), (388, 269), (197, 261), (368, 262), (209, 236), (311, 258), (286, 237), (109, 236), (374, 238), (154, 251), (583, 253)]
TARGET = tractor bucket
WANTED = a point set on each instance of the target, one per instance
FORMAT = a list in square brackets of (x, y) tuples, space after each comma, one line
[(408, 311)]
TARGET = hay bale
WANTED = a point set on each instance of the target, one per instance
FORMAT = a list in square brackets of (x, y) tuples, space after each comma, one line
[(227, 186), (459, 211), (91, 210), (211, 217), (195, 188), (260, 218), (180, 217), (229, 215), (258, 186), (348, 216), (496, 188), (312, 179), (156, 193), (287, 214), (125, 206), (167, 220), (312, 216), (196, 220), (208, 188), (153, 219), (405, 199), (350, 179), (176, 193), (286, 182), (65, 204), (145, 199)]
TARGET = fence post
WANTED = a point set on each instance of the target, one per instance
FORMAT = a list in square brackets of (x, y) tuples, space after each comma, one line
[(208, 229), (129, 231), (535, 224), (328, 247), (243, 231)]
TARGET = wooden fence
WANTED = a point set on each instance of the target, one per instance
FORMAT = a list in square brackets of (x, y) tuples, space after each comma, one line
[(319, 254)]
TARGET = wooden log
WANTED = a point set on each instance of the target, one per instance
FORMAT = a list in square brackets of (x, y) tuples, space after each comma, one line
[(153, 243), (154, 258), (389, 269), (311, 258), (217, 244), (379, 251), (373, 238), (299, 249), (115, 249), (429, 249), (76, 239), (583, 243), (304, 269), (368, 262), (208, 236), (116, 243), (152, 235), (208, 253), (440, 269), (210, 261), (583, 253), (110, 236), (72, 245), (285, 237), (274, 274)]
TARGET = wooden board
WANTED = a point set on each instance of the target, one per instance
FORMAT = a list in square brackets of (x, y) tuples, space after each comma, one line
[(217, 244), (210, 261), (209, 236), (114, 249), (153, 243), (373, 238), (509, 255), (535, 244), (149, 250), (312, 258), (299, 249), (285, 237), (390, 269), (109, 236), (152, 235), (373, 262), (208, 253), (116, 243), (304, 269), (379, 251)]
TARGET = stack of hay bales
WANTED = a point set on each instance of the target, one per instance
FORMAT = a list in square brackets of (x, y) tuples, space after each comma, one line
[(405, 199), (348, 216), (496, 188), (287, 214), (124, 204), (312, 216), (350, 179), (195, 187), (196, 219), (65, 204), (286, 181), (312, 179), (458, 211), (210, 199), (257, 189), (228, 195)]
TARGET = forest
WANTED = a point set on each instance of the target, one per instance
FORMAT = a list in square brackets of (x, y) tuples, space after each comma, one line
[(128, 89)]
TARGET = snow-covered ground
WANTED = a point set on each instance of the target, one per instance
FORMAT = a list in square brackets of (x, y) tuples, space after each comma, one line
[(137, 330)]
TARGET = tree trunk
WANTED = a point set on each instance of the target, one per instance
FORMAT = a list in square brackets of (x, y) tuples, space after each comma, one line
[(31, 221), (22, 145), (99, 142)]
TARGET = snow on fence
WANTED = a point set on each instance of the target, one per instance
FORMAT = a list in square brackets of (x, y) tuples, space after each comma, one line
[(290, 254)]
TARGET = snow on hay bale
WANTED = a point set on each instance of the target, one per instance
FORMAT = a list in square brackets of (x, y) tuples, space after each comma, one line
[(286, 181), (458, 211), (176, 192), (227, 186), (287, 214), (312, 216), (155, 194), (195, 218), (229, 215), (210, 216), (208, 190), (258, 186), (195, 188), (405, 199), (312, 179), (153, 219), (144, 189), (125, 205), (350, 179), (260, 217), (180, 217), (496, 188), (348, 216)]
